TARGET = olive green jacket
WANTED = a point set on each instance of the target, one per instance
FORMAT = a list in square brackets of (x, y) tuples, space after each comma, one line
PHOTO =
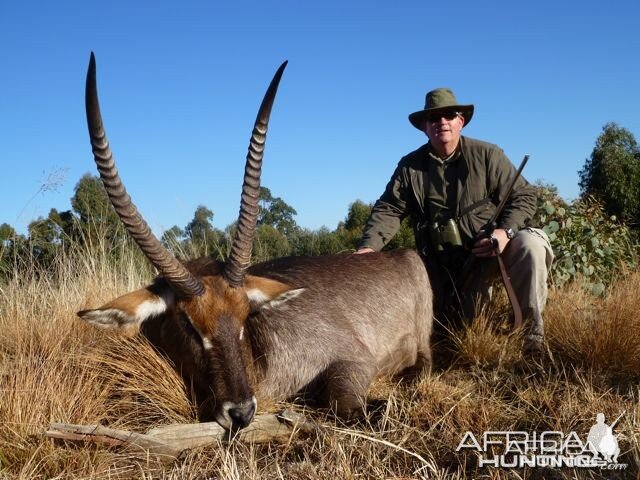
[(485, 174)]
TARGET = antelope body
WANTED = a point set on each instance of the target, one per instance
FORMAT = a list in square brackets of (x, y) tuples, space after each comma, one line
[(318, 327)]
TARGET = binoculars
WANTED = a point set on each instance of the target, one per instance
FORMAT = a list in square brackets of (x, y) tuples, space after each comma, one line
[(445, 236)]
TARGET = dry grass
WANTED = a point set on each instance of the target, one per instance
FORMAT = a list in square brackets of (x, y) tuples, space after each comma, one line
[(55, 369)]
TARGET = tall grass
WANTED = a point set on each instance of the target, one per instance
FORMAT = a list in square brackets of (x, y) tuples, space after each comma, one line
[(53, 368)]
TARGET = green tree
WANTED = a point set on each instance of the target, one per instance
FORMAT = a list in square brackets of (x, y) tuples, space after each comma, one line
[(173, 237), (7, 232), (47, 230), (352, 228), (357, 216), (350, 231), (200, 227), (316, 242), (91, 203), (612, 173), (93, 219), (404, 238), (201, 236), (47, 235), (269, 243), (12, 247), (276, 213)]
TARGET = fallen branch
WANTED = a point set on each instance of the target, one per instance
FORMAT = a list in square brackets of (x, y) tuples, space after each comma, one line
[(167, 443), (164, 451)]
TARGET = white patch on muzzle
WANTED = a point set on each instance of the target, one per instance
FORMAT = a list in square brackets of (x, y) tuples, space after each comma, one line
[(225, 420)]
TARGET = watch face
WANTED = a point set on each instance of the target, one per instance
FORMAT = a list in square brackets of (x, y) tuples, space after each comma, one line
[(510, 233)]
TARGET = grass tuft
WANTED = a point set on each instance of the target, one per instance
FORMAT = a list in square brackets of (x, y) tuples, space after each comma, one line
[(53, 368)]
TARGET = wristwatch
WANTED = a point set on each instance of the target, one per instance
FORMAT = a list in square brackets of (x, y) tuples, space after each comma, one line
[(510, 233)]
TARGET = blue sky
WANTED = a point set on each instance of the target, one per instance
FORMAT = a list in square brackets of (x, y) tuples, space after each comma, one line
[(180, 83)]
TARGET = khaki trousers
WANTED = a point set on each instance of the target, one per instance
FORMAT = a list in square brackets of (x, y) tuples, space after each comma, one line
[(527, 258)]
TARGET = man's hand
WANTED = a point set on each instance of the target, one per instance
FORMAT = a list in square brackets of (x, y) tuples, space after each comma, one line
[(484, 247), (364, 250)]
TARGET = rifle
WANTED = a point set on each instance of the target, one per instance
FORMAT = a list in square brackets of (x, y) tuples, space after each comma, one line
[(487, 232)]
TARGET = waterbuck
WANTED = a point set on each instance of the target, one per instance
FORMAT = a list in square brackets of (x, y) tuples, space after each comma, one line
[(317, 327)]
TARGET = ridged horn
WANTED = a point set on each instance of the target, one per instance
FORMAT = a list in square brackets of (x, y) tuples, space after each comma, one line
[(240, 256), (181, 280)]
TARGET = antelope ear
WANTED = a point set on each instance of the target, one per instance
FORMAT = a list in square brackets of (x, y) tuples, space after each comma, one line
[(131, 309), (268, 293)]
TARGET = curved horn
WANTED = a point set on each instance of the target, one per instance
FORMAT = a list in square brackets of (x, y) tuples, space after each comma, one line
[(180, 279), (240, 255)]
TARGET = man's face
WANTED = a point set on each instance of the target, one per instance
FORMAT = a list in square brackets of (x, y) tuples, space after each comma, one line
[(444, 127)]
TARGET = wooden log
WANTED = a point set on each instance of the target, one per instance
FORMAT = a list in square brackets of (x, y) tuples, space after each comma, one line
[(109, 436), (263, 429), (168, 442)]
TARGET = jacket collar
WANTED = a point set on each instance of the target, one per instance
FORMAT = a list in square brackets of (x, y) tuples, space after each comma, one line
[(463, 169)]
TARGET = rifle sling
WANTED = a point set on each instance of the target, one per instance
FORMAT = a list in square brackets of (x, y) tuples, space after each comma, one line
[(511, 294), (472, 207)]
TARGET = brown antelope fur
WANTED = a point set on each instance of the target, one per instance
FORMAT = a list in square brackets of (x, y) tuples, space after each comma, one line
[(320, 328), (355, 318)]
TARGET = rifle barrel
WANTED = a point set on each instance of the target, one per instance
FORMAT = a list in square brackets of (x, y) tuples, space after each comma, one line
[(508, 190)]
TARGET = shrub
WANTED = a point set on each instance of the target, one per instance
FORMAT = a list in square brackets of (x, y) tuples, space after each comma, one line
[(587, 243)]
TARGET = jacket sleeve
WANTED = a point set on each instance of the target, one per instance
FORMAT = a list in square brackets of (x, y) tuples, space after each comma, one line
[(521, 205), (388, 212)]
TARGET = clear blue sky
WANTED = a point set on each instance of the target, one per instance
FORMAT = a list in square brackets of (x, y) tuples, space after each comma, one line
[(180, 83)]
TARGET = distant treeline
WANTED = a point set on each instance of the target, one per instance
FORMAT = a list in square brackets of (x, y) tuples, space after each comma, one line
[(594, 237)]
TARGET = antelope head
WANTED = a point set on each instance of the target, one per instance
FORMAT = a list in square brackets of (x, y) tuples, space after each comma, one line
[(215, 299)]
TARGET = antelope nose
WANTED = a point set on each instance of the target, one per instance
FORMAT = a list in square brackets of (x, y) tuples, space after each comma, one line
[(242, 414)]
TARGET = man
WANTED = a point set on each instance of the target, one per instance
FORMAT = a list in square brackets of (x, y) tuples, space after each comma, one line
[(449, 189)]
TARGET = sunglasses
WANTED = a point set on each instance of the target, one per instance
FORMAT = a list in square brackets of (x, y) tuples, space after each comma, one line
[(435, 117)]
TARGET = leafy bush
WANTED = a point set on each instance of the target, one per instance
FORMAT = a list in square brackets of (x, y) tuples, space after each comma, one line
[(588, 244)]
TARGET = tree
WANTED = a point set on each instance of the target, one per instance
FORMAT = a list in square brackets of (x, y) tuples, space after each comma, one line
[(173, 237), (353, 226), (47, 235), (202, 236), (276, 213), (91, 202), (358, 215), (93, 220), (200, 227), (350, 231), (7, 232), (269, 243), (12, 245), (316, 242), (612, 173)]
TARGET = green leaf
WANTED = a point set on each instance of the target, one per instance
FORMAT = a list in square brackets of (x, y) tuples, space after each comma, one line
[(549, 208)]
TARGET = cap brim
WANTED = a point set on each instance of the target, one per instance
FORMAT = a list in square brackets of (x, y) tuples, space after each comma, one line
[(417, 118)]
